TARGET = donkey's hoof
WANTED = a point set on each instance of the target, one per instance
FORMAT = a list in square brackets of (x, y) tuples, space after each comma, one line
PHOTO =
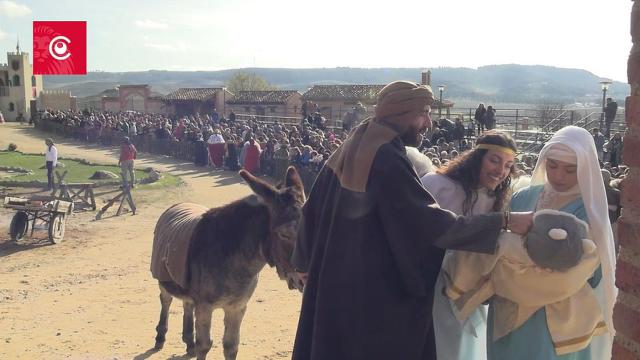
[(159, 345), (191, 352)]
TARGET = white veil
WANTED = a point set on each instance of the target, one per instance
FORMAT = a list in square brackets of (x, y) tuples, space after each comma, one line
[(595, 202)]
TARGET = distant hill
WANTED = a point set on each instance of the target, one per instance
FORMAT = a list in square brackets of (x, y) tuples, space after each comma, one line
[(526, 84)]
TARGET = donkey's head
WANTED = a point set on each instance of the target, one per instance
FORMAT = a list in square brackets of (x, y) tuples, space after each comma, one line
[(285, 207)]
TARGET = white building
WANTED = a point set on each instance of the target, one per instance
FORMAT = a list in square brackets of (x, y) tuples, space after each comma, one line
[(19, 88)]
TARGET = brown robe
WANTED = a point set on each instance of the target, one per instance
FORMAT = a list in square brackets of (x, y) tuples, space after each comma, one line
[(373, 256)]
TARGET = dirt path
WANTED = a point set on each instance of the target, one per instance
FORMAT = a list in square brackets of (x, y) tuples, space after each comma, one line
[(92, 296)]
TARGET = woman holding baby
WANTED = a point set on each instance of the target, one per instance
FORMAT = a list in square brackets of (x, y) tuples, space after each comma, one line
[(566, 178)]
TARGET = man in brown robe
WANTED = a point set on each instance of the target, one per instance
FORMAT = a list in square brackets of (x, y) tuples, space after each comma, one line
[(372, 239)]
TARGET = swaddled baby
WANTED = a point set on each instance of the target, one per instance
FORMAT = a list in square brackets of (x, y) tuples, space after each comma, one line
[(548, 268), (557, 240)]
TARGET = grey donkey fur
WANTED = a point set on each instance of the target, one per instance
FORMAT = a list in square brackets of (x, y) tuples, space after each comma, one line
[(228, 248)]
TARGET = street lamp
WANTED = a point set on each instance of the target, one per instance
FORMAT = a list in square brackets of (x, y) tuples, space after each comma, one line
[(605, 86), (441, 89)]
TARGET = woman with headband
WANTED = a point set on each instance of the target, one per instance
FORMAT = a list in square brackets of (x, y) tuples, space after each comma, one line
[(566, 178), (476, 182)]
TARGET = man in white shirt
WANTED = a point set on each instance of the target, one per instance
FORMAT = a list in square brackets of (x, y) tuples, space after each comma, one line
[(51, 159)]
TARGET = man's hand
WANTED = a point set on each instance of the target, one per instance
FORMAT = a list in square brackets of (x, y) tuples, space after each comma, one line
[(520, 222)]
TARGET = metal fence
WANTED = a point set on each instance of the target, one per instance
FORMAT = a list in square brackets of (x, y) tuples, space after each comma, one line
[(513, 120)]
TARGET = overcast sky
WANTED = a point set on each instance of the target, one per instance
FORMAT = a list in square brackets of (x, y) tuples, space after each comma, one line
[(128, 35)]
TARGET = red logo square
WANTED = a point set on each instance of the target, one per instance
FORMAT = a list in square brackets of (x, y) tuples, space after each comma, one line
[(60, 47)]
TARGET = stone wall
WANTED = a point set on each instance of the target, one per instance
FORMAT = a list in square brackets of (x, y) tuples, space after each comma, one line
[(627, 310), (56, 99)]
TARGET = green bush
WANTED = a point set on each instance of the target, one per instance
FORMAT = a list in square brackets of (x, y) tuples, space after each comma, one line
[(12, 147)]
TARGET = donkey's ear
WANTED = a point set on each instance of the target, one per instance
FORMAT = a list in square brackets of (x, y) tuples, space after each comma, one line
[(292, 179), (259, 187)]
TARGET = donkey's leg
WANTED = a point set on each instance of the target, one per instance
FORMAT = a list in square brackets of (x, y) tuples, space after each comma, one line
[(203, 329), (232, 320), (187, 327), (161, 329)]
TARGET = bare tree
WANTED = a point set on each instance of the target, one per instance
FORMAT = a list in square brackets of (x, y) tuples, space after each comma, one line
[(548, 111), (245, 81)]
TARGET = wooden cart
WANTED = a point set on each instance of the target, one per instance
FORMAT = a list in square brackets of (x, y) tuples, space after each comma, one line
[(51, 212)]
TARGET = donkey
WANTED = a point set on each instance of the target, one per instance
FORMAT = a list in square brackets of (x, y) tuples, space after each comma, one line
[(227, 248)]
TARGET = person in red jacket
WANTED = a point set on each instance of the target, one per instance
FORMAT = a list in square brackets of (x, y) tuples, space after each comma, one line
[(128, 154), (252, 156)]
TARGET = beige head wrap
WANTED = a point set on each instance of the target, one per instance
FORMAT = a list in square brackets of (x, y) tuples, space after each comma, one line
[(397, 106), (399, 102)]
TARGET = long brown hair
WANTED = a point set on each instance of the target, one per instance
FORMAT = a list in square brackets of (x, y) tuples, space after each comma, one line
[(465, 169)]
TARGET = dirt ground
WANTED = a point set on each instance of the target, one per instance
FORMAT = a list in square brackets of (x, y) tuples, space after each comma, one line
[(92, 296)]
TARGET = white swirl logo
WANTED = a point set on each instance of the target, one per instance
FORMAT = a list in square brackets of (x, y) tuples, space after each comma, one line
[(58, 47)]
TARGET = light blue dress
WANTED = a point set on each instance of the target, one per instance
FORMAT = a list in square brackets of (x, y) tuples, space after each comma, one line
[(456, 340), (532, 340)]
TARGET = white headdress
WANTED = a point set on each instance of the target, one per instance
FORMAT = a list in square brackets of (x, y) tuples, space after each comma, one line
[(595, 202)]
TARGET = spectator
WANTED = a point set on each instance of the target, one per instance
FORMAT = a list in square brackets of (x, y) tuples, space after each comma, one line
[(458, 132), (281, 158), (201, 151), (232, 162), (51, 160), (479, 117), (305, 157), (215, 117), (349, 119), (216, 146), (599, 140), (490, 118), (614, 149), (613, 197), (251, 160), (128, 154), (267, 159), (610, 111), (133, 129)]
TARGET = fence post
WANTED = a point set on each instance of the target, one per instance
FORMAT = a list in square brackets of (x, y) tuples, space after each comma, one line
[(571, 117), (515, 132)]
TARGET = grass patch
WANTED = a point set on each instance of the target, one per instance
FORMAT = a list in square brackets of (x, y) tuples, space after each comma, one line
[(76, 171)]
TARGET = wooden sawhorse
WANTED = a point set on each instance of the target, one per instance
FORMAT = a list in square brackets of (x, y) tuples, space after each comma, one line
[(80, 194)]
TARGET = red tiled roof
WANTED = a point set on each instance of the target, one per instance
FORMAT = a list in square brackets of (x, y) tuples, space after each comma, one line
[(366, 93), (189, 94), (262, 97)]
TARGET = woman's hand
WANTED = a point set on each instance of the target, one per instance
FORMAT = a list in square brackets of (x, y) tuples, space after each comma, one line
[(520, 222)]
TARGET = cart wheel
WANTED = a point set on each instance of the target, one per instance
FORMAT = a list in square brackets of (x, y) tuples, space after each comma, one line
[(19, 225), (56, 228)]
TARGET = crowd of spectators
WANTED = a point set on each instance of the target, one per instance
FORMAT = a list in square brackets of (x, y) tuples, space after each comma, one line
[(305, 145), (267, 148)]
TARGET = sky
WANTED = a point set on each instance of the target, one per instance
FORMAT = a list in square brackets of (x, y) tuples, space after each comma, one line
[(213, 35)]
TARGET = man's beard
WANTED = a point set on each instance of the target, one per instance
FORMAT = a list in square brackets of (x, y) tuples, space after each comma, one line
[(412, 137)]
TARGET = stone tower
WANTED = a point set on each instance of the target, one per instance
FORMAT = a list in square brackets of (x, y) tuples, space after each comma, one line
[(19, 88)]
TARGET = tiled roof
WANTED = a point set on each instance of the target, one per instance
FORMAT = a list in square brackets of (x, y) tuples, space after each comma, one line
[(262, 97), (109, 92), (343, 92), (364, 93), (186, 94)]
